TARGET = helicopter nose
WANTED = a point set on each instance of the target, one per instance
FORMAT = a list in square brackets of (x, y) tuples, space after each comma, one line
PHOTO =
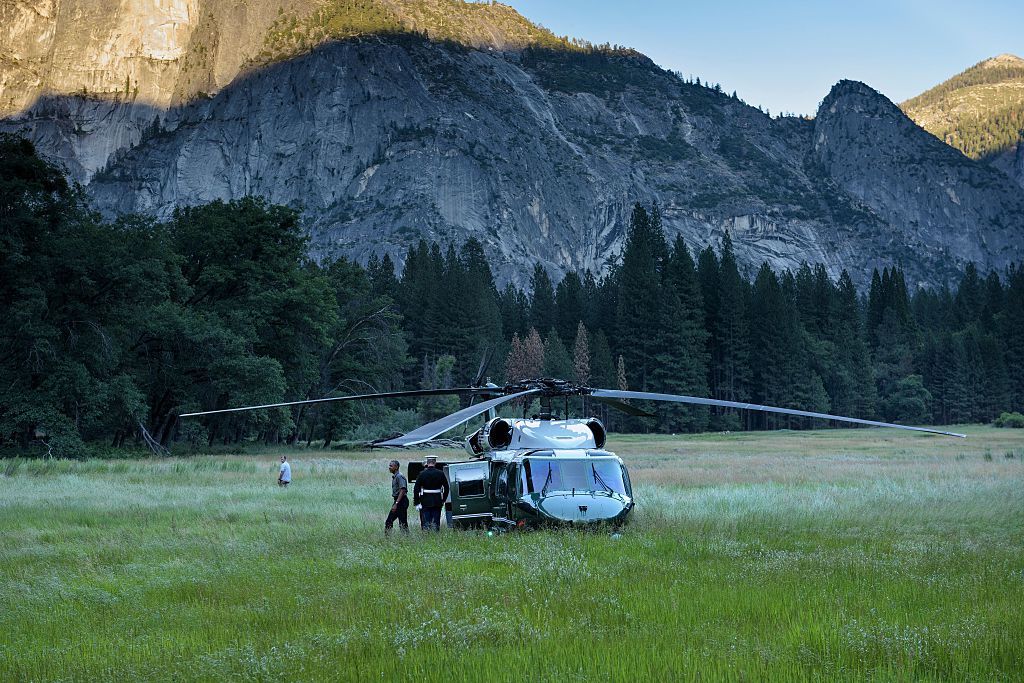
[(582, 508)]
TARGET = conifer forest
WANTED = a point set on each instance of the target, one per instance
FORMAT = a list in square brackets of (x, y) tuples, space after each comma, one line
[(113, 328)]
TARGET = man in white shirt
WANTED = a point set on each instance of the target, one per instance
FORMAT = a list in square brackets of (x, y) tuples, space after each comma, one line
[(284, 475)]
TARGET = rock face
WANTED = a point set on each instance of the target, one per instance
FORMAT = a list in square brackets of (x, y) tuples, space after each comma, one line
[(917, 183), (1018, 164), (86, 78), (539, 153)]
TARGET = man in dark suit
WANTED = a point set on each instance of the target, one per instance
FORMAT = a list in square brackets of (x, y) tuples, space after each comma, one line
[(430, 492)]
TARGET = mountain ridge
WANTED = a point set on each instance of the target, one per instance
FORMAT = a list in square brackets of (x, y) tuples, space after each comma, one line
[(980, 112), (538, 152)]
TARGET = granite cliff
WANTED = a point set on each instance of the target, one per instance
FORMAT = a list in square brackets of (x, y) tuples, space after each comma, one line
[(489, 127)]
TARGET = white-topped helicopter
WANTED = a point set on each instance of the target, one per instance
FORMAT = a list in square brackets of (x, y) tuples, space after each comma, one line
[(542, 470)]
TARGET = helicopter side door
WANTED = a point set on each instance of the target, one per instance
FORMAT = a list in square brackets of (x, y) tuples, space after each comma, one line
[(469, 488), (503, 492)]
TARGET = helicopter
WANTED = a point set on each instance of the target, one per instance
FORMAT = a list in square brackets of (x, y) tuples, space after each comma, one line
[(542, 470)]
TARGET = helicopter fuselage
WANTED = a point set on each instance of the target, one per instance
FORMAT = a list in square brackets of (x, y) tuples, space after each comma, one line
[(529, 473)]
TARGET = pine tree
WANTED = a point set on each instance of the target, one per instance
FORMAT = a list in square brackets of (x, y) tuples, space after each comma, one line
[(557, 361), (450, 317), (851, 386), (995, 385), (707, 274), (893, 337), (542, 299), (969, 299), (732, 337), (515, 310), (993, 303), (419, 299), (640, 294), (437, 374), (569, 306), (782, 376), (382, 276), (1012, 337), (591, 302), (680, 343), (581, 356), (481, 323)]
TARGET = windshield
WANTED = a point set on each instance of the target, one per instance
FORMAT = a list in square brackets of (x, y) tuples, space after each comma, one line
[(544, 475)]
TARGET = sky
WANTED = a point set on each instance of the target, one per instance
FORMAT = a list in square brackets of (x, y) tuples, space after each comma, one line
[(785, 55)]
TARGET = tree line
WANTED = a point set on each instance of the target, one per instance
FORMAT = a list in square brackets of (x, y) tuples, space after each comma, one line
[(111, 329)]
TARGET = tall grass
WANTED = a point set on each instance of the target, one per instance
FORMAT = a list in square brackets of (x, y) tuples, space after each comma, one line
[(786, 557)]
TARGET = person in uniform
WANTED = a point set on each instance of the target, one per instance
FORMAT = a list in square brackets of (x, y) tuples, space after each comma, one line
[(400, 495), (431, 491)]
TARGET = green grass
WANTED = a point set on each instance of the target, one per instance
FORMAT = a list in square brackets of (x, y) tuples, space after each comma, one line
[(788, 556)]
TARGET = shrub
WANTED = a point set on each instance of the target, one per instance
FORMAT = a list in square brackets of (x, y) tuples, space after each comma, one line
[(1011, 420)]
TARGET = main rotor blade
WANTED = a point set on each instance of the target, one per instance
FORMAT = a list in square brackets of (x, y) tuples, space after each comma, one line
[(624, 407), (438, 427), (359, 397), (647, 396)]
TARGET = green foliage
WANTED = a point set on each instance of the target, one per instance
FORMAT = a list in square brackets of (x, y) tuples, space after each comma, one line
[(681, 338), (640, 296), (1010, 420), (437, 374), (557, 360), (454, 22), (908, 401), (985, 135), (450, 306), (113, 329), (979, 111), (118, 328), (290, 34), (542, 299), (976, 75), (76, 291)]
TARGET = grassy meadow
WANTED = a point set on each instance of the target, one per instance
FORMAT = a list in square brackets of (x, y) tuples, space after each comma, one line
[(826, 555)]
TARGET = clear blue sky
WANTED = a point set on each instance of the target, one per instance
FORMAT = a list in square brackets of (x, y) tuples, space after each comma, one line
[(785, 55)]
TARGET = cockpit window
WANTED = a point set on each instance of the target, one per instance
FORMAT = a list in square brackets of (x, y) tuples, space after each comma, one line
[(545, 475), (609, 474)]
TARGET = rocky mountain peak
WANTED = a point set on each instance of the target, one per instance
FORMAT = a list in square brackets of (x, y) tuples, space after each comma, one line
[(857, 96), (1005, 59), (386, 122)]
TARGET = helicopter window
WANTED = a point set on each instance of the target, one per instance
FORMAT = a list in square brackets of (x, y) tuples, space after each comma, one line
[(541, 475), (608, 474), (469, 481), (582, 475), (546, 475), (576, 475), (501, 485), (471, 488)]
